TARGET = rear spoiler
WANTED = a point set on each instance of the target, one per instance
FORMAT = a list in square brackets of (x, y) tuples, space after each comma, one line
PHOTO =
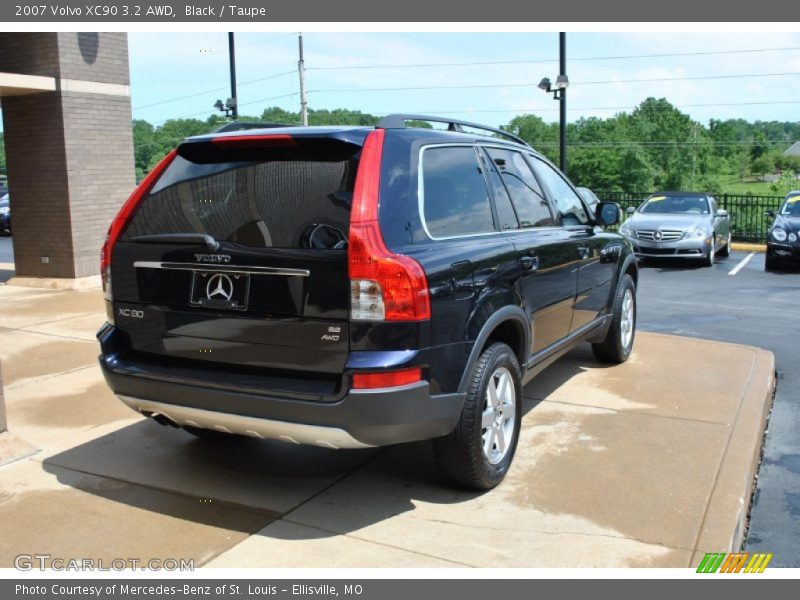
[(253, 146)]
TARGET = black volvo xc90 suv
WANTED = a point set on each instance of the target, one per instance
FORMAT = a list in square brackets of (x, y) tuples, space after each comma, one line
[(358, 286)]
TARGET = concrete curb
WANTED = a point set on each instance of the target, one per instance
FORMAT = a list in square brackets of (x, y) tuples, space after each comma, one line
[(730, 499), (745, 247), (13, 448)]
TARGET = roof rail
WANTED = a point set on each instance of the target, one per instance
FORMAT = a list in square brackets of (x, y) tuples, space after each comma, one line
[(242, 125), (398, 121)]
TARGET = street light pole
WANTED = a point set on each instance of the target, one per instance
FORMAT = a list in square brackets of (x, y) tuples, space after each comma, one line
[(232, 57), (562, 142)]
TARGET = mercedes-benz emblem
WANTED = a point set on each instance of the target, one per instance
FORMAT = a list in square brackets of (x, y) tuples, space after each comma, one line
[(658, 235), (219, 285)]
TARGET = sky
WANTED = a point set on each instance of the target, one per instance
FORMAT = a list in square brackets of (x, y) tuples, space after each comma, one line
[(754, 76)]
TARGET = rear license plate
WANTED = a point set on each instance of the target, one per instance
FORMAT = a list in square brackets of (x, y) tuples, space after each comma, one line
[(220, 290)]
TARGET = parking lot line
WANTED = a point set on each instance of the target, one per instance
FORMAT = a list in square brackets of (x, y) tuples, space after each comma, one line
[(741, 264)]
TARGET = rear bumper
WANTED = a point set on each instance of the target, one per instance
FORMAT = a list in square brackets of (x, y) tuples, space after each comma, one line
[(361, 418)]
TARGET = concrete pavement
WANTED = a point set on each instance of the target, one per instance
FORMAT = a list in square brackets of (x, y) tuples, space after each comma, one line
[(643, 464), (751, 307)]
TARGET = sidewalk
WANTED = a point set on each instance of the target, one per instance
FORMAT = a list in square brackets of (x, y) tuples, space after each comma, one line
[(649, 463)]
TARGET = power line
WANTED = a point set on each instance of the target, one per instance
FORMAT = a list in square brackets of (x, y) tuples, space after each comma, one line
[(289, 95), (576, 108), (506, 85), (519, 111), (689, 78), (205, 112), (549, 60), (243, 83)]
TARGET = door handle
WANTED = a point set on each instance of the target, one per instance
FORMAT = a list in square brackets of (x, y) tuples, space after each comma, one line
[(529, 263), (584, 252)]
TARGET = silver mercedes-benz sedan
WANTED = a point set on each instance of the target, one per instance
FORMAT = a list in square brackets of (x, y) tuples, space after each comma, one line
[(685, 225)]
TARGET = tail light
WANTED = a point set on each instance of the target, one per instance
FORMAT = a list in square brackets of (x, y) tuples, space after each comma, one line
[(122, 219), (383, 286), (383, 379)]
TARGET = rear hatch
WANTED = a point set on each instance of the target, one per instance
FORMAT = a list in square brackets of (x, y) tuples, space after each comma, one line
[(235, 262)]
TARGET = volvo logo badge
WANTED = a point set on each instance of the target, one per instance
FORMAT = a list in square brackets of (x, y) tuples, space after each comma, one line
[(212, 258), (219, 286), (658, 235)]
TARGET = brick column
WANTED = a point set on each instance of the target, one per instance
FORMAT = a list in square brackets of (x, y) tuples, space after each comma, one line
[(69, 152)]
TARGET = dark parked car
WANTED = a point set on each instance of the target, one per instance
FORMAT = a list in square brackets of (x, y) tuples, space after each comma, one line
[(682, 225), (5, 215), (355, 286), (782, 235)]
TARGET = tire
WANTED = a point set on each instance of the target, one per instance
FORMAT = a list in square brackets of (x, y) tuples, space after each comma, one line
[(710, 258), (725, 251), (208, 434), (473, 455), (618, 343), (771, 262)]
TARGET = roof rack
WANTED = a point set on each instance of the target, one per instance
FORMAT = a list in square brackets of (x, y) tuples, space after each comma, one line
[(398, 121)]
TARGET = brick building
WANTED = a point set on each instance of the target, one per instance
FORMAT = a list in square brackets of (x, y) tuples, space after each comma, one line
[(69, 146)]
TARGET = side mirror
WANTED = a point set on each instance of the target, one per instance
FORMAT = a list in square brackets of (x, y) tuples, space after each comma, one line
[(630, 210), (608, 213), (769, 213), (722, 213)]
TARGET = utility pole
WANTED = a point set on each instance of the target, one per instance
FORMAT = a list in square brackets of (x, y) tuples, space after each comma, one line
[(301, 69), (562, 72), (232, 57), (694, 150)]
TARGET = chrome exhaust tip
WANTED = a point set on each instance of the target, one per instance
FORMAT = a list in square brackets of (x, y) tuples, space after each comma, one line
[(161, 419)]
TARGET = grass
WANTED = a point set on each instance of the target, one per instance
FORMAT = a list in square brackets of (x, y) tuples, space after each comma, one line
[(756, 188)]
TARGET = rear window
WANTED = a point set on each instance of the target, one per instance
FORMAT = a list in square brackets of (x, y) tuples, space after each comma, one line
[(294, 198), (454, 192)]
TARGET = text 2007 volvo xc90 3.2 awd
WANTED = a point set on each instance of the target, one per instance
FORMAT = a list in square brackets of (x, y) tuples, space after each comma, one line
[(356, 286)]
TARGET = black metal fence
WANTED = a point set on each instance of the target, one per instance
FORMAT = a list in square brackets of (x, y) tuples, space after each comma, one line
[(747, 212)]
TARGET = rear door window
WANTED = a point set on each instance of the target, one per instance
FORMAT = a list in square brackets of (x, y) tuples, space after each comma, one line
[(300, 199), (506, 215), (454, 194)]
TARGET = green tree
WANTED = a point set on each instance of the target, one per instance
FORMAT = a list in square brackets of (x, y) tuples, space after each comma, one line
[(764, 164), (542, 136)]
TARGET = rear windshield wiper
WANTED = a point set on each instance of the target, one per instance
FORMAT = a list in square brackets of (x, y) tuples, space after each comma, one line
[(178, 238)]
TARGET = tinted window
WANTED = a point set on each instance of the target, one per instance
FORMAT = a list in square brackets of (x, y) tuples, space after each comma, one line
[(567, 202), (529, 201), (296, 203), (502, 202), (455, 197), (697, 205), (791, 206)]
